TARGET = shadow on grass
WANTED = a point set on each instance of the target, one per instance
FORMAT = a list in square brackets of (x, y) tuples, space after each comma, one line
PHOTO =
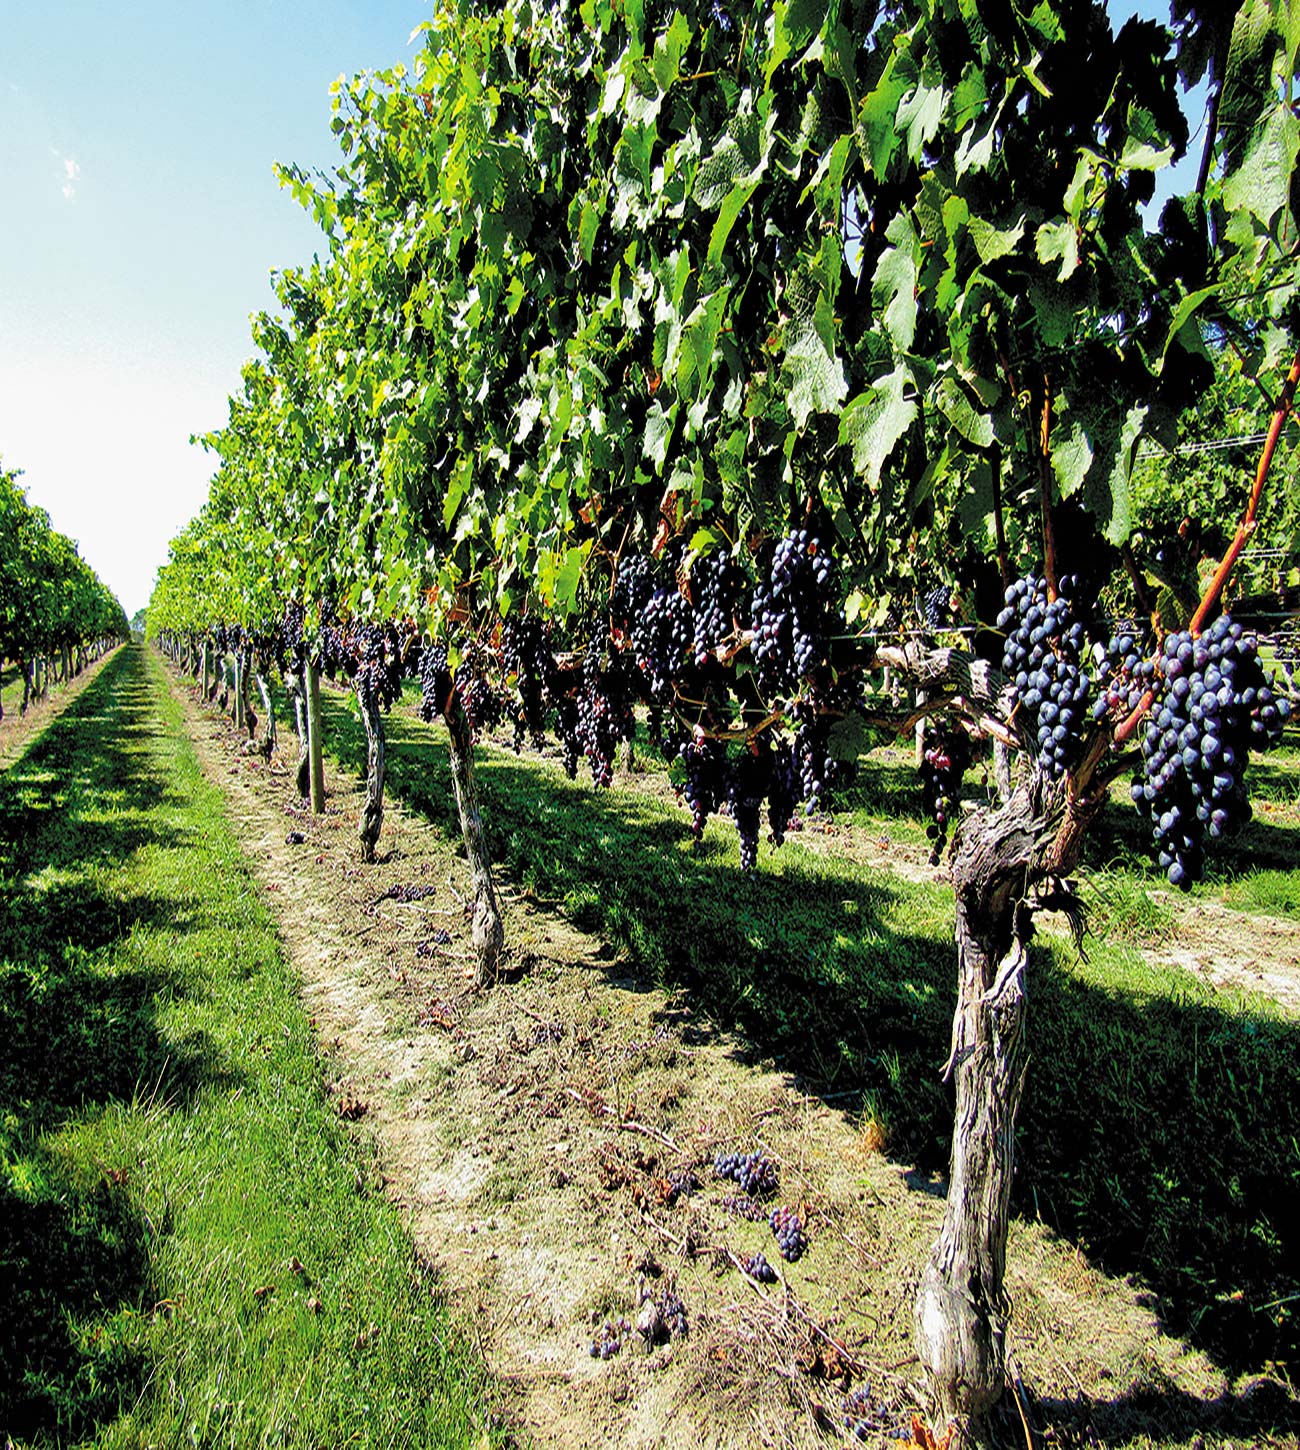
[(68, 1250), (1156, 1131), (1158, 1415), (79, 1032)]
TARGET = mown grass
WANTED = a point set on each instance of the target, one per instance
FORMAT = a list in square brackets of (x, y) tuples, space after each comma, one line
[(1160, 1124), (193, 1250)]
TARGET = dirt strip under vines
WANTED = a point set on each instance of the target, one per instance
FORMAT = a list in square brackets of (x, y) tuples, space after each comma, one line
[(543, 1136)]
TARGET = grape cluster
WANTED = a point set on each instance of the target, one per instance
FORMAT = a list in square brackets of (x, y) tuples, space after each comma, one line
[(757, 1267), (790, 1237), (566, 728), (782, 790), (945, 757), (681, 1185), (748, 779), (705, 764), (635, 580), (609, 1339), (1128, 672), (292, 638), (482, 705), (1045, 644), (756, 1174), (1216, 703), (673, 1314), (716, 586), (378, 666), (816, 770), (792, 615), (936, 607), (435, 681), (526, 654), (863, 1418), (603, 714), (662, 637), (743, 1208)]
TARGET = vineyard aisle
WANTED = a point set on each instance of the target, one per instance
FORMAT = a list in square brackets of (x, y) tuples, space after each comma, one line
[(193, 1248), (552, 1144), (17, 732)]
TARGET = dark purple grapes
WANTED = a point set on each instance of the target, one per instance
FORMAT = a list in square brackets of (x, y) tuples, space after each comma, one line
[(716, 587), (945, 757), (662, 638), (1215, 703), (757, 1267), (1045, 645), (788, 1228), (936, 607), (756, 1174), (603, 714), (609, 1339), (794, 613)]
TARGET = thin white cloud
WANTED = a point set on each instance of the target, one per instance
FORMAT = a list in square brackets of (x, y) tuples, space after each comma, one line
[(71, 175)]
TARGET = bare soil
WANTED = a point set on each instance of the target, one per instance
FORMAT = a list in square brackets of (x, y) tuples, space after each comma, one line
[(541, 1136)]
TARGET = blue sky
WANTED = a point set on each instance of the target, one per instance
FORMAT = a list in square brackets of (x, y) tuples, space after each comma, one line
[(140, 221)]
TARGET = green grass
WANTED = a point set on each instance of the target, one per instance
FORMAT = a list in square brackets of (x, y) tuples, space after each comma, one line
[(193, 1249), (1161, 1123)]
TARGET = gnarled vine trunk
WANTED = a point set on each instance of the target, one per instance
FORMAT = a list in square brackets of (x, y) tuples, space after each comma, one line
[(371, 820), (488, 934), (961, 1309)]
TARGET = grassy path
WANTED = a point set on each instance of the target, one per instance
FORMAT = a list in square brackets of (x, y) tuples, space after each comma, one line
[(192, 1249)]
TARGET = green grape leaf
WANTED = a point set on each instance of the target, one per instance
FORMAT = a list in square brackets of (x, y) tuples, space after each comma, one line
[(873, 422)]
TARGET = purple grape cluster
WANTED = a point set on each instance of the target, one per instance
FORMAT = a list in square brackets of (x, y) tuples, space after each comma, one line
[(292, 639), (635, 580), (705, 764), (379, 666), (526, 654), (757, 1267), (1215, 705), (756, 1174), (716, 588), (603, 715), (681, 1185), (662, 638), (673, 1313), (945, 757), (435, 681), (748, 779), (788, 1228), (782, 790), (793, 615), (863, 1418), (745, 1208), (609, 1339), (566, 728), (1127, 670), (482, 705), (936, 607), (1045, 645)]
